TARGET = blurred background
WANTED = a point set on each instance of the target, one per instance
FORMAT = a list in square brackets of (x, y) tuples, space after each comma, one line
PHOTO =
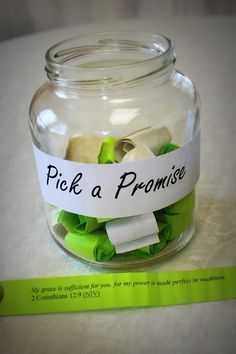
[(20, 17)]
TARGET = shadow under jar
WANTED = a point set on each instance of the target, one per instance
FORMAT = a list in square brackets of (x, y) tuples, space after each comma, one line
[(116, 139)]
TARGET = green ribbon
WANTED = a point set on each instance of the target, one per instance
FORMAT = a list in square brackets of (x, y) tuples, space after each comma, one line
[(95, 246), (107, 152)]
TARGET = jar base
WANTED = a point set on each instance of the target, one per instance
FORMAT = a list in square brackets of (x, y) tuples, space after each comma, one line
[(127, 261)]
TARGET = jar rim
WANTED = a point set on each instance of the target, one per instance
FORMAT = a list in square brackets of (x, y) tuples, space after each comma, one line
[(66, 60)]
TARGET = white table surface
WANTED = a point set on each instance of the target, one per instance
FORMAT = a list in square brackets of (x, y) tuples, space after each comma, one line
[(205, 49)]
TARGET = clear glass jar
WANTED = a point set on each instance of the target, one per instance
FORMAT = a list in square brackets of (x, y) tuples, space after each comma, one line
[(115, 131)]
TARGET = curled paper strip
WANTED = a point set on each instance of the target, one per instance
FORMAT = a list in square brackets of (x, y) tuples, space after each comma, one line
[(84, 148), (95, 246), (132, 232), (154, 138), (140, 152)]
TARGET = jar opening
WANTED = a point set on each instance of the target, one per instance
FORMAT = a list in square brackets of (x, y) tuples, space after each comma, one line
[(109, 58)]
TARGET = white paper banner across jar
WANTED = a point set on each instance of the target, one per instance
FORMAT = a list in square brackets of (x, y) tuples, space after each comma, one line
[(121, 189), (131, 233)]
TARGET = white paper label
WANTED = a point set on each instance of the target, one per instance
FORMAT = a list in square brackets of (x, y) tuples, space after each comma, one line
[(121, 189)]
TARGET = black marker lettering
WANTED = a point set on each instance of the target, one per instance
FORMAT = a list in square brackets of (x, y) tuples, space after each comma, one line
[(149, 186), (122, 185), (49, 175), (182, 172), (160, 183), (63, 183), (137, 186), (174, 178), (96, 192), (75, 184)]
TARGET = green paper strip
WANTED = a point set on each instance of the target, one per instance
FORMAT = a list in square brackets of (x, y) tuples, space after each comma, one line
[(119, 290)]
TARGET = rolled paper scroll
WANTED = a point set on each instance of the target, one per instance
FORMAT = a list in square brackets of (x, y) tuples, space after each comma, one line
[(84, 148), (167, 148), (178, 215), (107, 152), (102, 220), (154, 138), (79, 223), (140, 152), (68, 220), (136, 244), (184, 205), (132, 232), (1, 293), (155, 248), (95, 246), (177, 223), (88, 224), (164, 235)]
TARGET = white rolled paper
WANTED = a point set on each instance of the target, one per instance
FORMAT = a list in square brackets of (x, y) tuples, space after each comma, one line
[(140, 152), (136, 244), (154, 138), (84, 148), (133, 232)]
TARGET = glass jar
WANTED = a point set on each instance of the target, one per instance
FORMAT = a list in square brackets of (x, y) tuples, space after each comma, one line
[(115, 133)]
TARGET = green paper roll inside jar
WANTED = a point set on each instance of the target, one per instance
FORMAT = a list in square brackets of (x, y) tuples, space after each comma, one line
[(116, 138)]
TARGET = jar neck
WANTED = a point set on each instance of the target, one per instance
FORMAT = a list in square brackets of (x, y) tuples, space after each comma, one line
[(107, 60)]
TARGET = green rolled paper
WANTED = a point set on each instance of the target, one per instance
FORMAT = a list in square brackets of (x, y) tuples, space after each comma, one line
[(68, 220), (183, 205), (95, 246), (79, 223), (177, 223), (178, 215), (107, 152), (102, 220), (163, 234), (88, 226), (167, 148)]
